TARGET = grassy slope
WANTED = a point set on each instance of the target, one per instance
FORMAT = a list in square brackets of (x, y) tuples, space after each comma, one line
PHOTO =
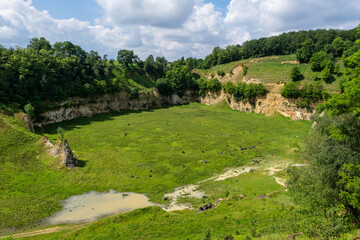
[(155, 141), (272, 70), (135, 78)]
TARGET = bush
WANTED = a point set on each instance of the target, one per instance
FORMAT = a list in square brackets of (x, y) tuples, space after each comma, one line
[(243, 91), (295, 74), (221, 73), (165, 86), (315, 77), (327, 76), (29, 109), (320, 61), (134, 92), (290, 90), (245, 70), (61, 132), (213, 85), (230, 88)]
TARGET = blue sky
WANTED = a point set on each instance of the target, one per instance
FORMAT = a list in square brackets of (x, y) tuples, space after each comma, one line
[(170, 28), (86, 10)]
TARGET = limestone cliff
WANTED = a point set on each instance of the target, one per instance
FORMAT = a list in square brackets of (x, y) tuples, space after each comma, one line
[(86, 107), (272, 103)]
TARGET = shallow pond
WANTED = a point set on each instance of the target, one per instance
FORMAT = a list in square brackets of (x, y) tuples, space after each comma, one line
[(90, 206)]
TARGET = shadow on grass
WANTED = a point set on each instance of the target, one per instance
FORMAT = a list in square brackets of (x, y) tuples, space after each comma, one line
[(76, 123), (81, 163)]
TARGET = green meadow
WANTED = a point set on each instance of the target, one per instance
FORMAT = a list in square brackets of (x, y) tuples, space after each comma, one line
[(274, 69), (170, 144)]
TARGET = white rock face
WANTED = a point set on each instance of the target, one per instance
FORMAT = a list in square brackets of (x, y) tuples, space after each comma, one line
[(272, 103)]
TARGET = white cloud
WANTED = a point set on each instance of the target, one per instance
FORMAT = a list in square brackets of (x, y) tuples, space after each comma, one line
[(173, 28), (161, 13), (264, 17)]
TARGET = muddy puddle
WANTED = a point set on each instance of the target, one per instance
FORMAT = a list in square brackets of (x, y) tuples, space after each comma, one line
[(90, 206)]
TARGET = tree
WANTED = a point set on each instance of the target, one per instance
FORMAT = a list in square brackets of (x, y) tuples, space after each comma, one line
[(295, 74), (127, 57), (304, 54), (326, 75), (329, 180), (339, 47), (149, 65), (165, 86), (30, 110), (39, 43), (320, 61), (349, 185)]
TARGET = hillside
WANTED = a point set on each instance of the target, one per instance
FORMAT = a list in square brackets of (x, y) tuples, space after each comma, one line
[(273, 69)]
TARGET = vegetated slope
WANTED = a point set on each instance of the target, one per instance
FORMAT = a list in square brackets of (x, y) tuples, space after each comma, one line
[(31, 182), (265, 70), (112, 147)]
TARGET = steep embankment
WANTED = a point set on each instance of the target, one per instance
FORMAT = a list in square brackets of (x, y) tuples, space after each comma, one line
[(273, 72), (270, 104), (86, 107)]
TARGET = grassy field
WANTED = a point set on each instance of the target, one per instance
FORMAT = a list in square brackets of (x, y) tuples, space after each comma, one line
[(112, 147), (272, 70)]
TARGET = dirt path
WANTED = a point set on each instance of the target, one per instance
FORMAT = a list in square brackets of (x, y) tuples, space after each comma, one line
[(46, 231)]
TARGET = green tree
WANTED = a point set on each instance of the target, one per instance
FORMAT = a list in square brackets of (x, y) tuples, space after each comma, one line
[(127, 57), (39, 43), (295, 74), (326, 75), (165, 86), (339, 47), (30, 110), (320, 61), (349, 185), (290, 90), (304, 54)]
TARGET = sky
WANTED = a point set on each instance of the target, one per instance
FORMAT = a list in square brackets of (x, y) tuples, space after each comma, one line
[(170, 28)]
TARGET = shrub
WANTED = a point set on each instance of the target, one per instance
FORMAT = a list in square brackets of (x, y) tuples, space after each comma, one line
[(165, 86), (221, 73), (295, 74), (245, 70), (61, 132), (29, 109), (315, 77), (134, 92), (243, 91), (321, 60), (213, 85), (230, 88), (326, 75), (290, 90), (312, 92)]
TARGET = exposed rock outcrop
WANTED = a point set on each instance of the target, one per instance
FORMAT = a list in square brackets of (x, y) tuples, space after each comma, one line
[(86, 107), (62, 150), (272, 103)]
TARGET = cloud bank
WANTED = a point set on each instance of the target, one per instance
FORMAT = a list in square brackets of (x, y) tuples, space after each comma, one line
[(173, 28)]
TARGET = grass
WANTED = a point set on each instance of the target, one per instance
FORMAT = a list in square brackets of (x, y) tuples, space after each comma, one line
[(273, 69), (32, 183)]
